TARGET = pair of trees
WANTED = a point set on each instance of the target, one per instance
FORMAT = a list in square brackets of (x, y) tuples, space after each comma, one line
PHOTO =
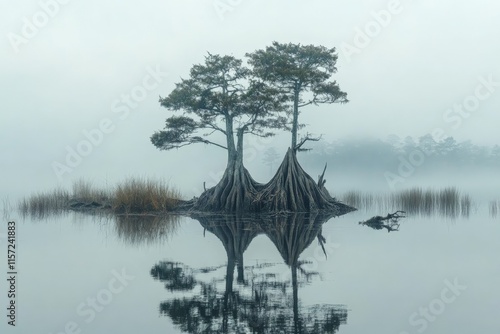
[(227, 97)]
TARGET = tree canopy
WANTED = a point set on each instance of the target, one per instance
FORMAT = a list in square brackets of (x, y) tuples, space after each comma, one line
[(224, 96), (302, 74), (220, 96)]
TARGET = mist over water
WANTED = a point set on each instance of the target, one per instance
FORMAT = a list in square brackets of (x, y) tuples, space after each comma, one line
[(81, 83)]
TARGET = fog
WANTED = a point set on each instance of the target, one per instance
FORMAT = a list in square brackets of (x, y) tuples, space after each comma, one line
[(410, 68)]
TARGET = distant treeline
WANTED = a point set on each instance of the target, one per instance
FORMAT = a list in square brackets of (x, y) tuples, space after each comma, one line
[(425, 152)]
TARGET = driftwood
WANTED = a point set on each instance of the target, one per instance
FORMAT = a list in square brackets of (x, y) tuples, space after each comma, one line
[(389, 222)]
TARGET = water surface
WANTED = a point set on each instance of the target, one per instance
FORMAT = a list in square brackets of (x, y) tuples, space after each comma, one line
[(297, 274)]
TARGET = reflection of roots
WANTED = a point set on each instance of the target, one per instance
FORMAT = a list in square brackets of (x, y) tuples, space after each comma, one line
[(291, 234)]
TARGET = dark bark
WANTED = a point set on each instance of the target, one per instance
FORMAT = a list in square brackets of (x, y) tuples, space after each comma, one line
[(293, 233), (295, 116), (293, 190), (389, 222), (235, 234), (295, 286), (235, 192), (290, 190)]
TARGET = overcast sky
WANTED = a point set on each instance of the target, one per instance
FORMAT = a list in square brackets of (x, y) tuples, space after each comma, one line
[(409, 67)]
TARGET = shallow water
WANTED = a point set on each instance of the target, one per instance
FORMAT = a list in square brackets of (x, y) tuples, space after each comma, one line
[(434, 275)]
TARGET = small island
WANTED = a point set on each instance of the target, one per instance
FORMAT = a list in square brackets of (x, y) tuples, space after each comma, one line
[(226, 99), (220, 103)]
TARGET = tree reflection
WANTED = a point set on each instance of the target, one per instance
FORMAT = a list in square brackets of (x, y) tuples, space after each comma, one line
[(265, 299)]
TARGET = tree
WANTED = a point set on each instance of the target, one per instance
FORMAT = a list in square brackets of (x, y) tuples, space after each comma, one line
[(428, 145), (495, 155), (222, 97), (302, 74)]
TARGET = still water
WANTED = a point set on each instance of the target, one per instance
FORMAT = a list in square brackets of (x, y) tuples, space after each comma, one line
[(297, 274)]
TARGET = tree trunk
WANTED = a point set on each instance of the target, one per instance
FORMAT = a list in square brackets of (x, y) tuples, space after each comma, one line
[(290, 190), (240, 269), (295, 118), (231, 147), (237, 190), (293, 190), (228, 294)]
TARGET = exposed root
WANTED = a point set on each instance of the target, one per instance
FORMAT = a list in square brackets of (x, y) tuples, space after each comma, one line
[(290, 190), (293, 190), (235, 192)]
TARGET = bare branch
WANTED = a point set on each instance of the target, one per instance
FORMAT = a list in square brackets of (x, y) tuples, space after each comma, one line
[(304, 140), (205, 141)]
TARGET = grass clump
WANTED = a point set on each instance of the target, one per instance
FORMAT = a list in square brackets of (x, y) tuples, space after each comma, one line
[(141, 195), (84, 191), (133, 196), (447, 202), (44, 203), (494, 208)]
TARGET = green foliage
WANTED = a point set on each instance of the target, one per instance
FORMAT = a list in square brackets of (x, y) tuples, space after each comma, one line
[(220, 96), (301, 74), (224, 96), (213, 88), (177, 133), (288, 64)]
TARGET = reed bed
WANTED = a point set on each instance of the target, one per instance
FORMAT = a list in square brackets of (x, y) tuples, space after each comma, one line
[(494, 208), (45, 203), (85, 191), (134, 195), (142, 195), (447, 202)]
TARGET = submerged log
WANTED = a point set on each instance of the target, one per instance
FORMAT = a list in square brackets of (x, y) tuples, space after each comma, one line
[(389, 222)]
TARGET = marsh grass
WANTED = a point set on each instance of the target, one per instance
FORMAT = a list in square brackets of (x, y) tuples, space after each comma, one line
[(494, 208), (6, 208), (85, 191), (143, 195), (447, 202), (134, 195), (45, 203)]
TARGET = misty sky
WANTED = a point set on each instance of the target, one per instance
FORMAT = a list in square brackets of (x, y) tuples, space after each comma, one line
[(409, 68)]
